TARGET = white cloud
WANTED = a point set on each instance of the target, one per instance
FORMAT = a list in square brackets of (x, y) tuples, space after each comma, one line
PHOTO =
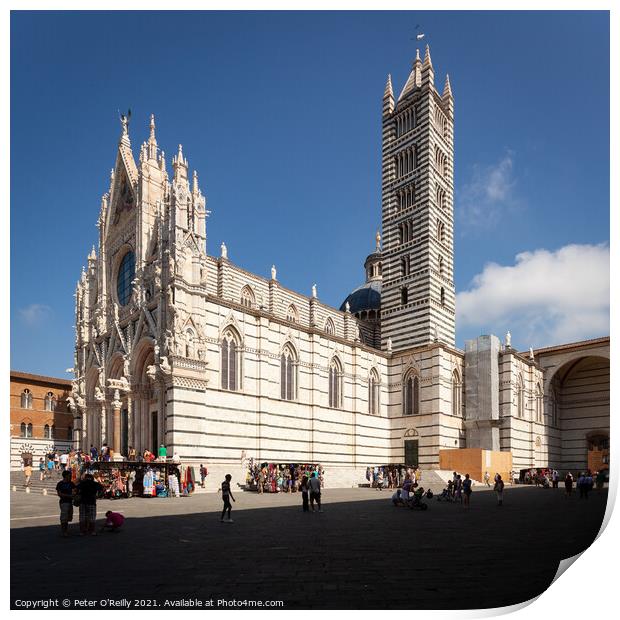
[(490, 191), (545, 298), (34, 314)]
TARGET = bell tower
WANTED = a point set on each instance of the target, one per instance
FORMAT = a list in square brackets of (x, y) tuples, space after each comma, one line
[(418, 298)]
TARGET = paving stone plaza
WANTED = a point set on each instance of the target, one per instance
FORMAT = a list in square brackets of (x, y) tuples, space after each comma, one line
[(361, 552)]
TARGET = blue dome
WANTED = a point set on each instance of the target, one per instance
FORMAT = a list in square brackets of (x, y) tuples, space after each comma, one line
[(365, 297)]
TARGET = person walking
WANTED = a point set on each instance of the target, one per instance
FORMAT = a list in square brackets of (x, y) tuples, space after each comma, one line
[(304, 488), (499, 489), (94, 454), (555, 478), (88, 490), (315, 492), (600, 481), (64, 457), (466, 490), (226, 497), (41, 470), (50, 465), (581, 485), (487, 478), (588, 483), (65, 490), (204, 472), (568, 485), (27, 474)]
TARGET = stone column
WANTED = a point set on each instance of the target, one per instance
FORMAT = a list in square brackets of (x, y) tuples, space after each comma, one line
[(103, 436), (130, 441), (116, 434)]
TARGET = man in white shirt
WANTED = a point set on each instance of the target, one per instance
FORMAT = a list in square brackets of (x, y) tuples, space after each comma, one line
[(63, 461), (315, 491)]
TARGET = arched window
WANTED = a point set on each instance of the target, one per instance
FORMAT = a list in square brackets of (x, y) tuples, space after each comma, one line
[(52, 431), (22, 429), (373, 392), (553, 406), (329, 327), (47, 432), (441, 197), (69, 433), (539, 403), (291, 314), (124, 278), (404, 296), (29, 430), (335, 384), (440, 231), (520, 397), (50, 402), (288, 374), (442, 296), (247, 297), (411, 400), (230, 362), (456, 394), (26, 401), (440, 264)]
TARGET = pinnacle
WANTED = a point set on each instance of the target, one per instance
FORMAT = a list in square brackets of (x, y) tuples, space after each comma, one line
[(388, 87), (447, 89), (427, 56)]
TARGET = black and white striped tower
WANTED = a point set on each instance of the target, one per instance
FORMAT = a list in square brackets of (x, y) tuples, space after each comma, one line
[(418, 298)]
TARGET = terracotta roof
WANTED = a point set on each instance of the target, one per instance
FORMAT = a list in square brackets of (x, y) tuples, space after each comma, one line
[(572, 345), (26, 376)]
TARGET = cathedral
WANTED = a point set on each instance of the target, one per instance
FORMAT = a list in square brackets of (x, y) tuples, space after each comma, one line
[(179, 347)]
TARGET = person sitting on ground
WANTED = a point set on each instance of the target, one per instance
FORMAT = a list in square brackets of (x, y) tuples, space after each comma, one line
[(396, 499), (113, 521)]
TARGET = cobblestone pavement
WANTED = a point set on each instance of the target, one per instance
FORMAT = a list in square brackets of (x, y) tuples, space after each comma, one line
[(361, 552)]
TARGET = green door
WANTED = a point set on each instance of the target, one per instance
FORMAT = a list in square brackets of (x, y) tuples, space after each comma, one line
[(411, 452)]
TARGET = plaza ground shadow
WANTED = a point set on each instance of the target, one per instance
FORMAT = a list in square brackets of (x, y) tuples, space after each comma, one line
[(355, 555)]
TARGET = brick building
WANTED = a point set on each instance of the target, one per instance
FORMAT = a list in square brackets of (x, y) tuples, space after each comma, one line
[(40, 419)]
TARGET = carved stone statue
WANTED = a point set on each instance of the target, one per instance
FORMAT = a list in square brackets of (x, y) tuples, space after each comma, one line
[(224, 250), (168, 342), (314, 290), (389, 344), (99, 395), (274, 273), (164, 365), (347, 307), (151, 372), (126, 366), (508, 340)]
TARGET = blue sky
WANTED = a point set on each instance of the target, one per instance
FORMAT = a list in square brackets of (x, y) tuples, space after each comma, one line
[(280, 115)]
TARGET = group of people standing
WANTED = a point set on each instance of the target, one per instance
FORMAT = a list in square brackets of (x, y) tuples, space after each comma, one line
[(274, 478), (391, 476), (83, 495)]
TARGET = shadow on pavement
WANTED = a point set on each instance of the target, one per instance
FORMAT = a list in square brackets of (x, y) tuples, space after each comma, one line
[(356, 554)]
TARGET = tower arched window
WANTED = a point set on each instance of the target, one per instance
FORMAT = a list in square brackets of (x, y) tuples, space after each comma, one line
[(47, 433), (29, 430), (26, 399), (373, 392), (288, 374), (404, 296), (247, 297), (441, 197), (22, 429), (440, 232), (456, 394), (230, 361), (411, 396), (442, 296), (440, 265), (335, 384), (520, 397)]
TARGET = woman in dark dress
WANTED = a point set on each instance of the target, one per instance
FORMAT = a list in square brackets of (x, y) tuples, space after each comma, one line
[(304, 492)]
